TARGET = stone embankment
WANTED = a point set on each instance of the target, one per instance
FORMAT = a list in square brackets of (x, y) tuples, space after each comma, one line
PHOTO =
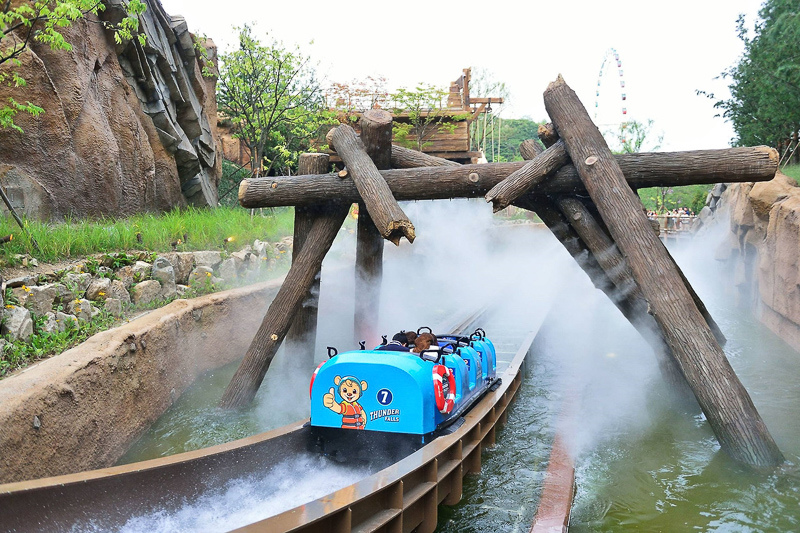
[(118, 282), (82, 409), (762, 248)]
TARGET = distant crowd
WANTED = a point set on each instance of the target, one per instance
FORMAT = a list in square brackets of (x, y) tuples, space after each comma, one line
[(675, 217)]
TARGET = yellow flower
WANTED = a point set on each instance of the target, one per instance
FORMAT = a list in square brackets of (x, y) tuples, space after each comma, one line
[(25, 288), (9, 306), (208, 274), (101, 293)]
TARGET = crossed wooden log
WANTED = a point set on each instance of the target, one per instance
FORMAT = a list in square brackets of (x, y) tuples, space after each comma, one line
[(609, 236)]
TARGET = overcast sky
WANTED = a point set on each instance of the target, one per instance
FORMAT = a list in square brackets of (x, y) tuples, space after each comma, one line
[(668, 50)]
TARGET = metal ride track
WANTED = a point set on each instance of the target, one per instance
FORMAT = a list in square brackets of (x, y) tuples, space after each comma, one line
[(399, 498)]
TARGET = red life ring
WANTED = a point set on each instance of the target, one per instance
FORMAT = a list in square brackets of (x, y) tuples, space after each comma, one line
[(313, 377), (444, 403)]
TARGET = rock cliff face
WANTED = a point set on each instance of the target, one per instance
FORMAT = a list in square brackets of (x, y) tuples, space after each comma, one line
[(126, 128), (763, 249)]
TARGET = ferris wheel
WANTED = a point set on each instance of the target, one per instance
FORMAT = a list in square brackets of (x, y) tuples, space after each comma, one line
[(610, 104)]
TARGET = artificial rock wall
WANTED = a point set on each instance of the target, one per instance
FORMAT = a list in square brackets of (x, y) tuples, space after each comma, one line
[(763, 250), (126, 128)]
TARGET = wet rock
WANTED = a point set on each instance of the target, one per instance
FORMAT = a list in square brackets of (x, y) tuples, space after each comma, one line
[(82, 309), (201, 276), (240, 258), (210, 259), (99, 289), (63, 294), (40, 299), (227, 269), (49, 325), (77, 283), (142, 270), (182, 291), (284, 245), (164, 273), (261, 248), (113, 306), (65, 321), (17, 323), (125, 276), (183, 263), (145, 292), (118, 291), (19, 282)]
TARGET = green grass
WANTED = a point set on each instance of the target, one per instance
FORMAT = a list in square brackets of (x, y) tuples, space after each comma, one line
[(196, 229), (793, 171)]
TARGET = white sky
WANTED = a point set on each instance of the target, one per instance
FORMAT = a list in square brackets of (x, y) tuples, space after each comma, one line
[(668, 49)]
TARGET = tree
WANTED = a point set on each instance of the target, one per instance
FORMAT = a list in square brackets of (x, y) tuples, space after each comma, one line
[(425, 109), (272, 96), (764, 107), (633, 137), (482, 84), (512, 132), (42, 21), (349, 100)]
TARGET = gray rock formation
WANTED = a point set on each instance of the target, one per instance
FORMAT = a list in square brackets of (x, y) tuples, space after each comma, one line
[(126, 128), (17, 323)]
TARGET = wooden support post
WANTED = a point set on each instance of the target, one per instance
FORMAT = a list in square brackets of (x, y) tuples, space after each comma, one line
[(302, 336), (667, 169), (724, 400), (384, 210), (529, 176), (248, 377), (376, 134)]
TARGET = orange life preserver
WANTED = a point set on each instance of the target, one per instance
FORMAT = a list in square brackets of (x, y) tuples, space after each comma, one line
[(444, 403), (313, 377)]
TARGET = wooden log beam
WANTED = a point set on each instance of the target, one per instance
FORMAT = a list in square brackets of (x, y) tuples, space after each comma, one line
[(376, 134), (407, 158), (724, 400), (248, 377), (302, 336), (547, 134), (391, 221), (613, 264), (529, 149), (668, 169), (527, 177)]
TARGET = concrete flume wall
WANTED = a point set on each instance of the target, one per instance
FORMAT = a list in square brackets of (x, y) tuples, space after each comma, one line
[(82, 409)]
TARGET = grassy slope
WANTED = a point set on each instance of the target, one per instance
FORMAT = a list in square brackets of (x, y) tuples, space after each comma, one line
[(197, 229)]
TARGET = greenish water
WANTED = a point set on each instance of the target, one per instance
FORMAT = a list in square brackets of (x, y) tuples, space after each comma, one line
[(643, 463), (672, 476), (194, 421)]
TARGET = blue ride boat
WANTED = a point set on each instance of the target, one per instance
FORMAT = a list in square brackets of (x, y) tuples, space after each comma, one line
[(398, 399)]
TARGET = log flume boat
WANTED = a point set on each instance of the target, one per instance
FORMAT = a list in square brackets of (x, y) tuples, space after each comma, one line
[(424, 468)]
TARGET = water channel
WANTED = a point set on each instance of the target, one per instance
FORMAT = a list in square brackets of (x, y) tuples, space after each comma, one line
[(643, 462)]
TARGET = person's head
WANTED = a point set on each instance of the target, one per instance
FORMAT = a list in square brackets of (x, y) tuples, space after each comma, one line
[(424, 341), (411, 336), (401, 338)]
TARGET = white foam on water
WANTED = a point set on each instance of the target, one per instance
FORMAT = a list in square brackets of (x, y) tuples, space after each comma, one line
[(242, 501)]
